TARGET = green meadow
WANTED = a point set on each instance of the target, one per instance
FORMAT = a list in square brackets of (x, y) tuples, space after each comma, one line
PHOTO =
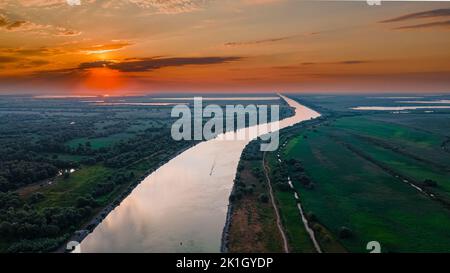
[(357, 164)]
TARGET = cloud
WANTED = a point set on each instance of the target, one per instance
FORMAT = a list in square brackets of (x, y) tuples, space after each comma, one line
[(64, 32), (7, 59), (442, 24), (3, 21), (149, 64), (8, 24), (170, 6), (345, 62), (160, 6), (256, 42), (39, 51), (259, 2), (353, 62), (137, 65), (100, 49), (41, 3), (271, 40), (15, 25), (47, 4), (418, 15), (15, 62)]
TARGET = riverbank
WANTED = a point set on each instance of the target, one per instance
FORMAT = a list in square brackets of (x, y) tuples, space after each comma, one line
[(182, 207), (251, 224), (80, 234)]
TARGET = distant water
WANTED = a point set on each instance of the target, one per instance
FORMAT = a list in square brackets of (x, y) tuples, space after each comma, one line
[(182, 206), (398, 108), (137, 103), (222, 98), (427, 101)]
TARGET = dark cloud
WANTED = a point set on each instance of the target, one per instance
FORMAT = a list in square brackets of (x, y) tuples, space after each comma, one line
[(273, 40), (41, 51), (137, 65), (16, 24), (425, 14), (63, 32), (349, 62), (8, 59), (30, 52), (443, 24), (256, 42), (38, 62), (354, 62), (10, 24), (3, 21), (148, 64)]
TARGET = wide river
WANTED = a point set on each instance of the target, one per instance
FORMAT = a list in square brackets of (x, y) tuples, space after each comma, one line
[(182, 206)]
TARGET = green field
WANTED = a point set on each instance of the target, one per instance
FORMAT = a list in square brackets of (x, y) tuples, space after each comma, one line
[(362, 177), (100, 142), (351, 191)]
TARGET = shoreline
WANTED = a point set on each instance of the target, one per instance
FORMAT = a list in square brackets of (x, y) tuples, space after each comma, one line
[(80, 234), (87, 228), (224, 247)]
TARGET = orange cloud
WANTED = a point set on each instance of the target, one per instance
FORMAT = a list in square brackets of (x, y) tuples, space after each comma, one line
[(101, 49), (20, 25)]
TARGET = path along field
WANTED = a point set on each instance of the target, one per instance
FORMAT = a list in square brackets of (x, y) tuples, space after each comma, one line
[(357, 166)]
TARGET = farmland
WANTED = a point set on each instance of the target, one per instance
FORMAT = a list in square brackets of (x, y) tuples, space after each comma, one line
[(366, 176)]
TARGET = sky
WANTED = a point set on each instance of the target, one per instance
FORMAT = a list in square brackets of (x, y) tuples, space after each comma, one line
[(129, 47)]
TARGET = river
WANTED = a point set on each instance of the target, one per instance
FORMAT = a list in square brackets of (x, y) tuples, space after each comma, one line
[(182, 206)]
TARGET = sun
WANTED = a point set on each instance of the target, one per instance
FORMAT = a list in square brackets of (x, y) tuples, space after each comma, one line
[(105, 80)]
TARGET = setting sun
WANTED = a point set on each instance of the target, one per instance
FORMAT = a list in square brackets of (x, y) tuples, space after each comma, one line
[(104, 79)]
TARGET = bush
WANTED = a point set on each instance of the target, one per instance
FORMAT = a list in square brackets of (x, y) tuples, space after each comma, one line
[(232, 197), (36, 197), (317, 228), (39, 245), (248, 190), (311, 217), (87, 201), (66, 174), (264, 198), (345, 233), (327, 239), (430, 183), (283, 186)]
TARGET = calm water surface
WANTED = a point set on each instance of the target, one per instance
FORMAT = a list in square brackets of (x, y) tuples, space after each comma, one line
[(182, 206)]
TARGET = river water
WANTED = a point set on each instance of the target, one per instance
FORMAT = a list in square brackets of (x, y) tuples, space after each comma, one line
[(182, 206)]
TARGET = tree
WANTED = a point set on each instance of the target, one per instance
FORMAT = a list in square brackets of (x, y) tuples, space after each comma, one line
[(87, 201), (264, 198), (36, 197), (6, 229), (4, 184), (311, 217)]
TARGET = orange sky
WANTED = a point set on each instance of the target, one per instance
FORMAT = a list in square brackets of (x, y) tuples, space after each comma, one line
[(124, 47)]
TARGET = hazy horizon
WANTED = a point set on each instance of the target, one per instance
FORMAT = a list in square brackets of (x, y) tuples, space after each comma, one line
[(249, 46)]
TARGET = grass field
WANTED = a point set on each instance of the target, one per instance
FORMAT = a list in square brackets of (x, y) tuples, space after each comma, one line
[(64, 192), (353, 192), (100, 142), (298, 238)]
